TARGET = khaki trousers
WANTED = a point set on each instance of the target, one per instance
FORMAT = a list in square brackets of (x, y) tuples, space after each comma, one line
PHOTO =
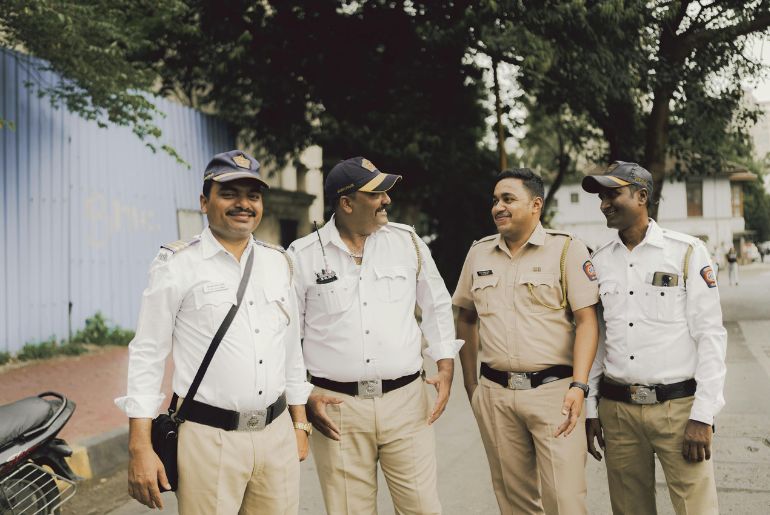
[(238, 472), (392, 429), (633, 434), (532, 472)]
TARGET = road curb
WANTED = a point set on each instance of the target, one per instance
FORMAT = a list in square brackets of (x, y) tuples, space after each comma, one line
[(100, 455)]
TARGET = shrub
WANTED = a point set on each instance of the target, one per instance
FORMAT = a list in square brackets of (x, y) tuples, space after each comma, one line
[(43, 350), (5, 357), (98, 332)]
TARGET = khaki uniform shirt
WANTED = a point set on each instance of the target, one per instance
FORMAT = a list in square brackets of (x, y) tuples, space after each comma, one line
[(517, 332)]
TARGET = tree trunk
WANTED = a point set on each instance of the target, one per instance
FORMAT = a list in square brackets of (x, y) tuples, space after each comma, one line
[(563, 167), (656, 144), (499, 114)]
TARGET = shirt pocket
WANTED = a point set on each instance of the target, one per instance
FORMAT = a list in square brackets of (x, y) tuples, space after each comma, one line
[(663, 303), (541, 292), (609, 296), (483, 290), (212, 307), (391, 283), (276, 308), (334, 297)]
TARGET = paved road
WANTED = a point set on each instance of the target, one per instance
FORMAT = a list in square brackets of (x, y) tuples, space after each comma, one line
[(742, 443)]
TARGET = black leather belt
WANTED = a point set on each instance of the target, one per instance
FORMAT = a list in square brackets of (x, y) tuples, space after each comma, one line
[(352, 388), (524, 380), (230, 420), (646, 394)]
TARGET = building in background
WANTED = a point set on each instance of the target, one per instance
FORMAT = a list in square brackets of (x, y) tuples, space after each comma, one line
[(85, 209)]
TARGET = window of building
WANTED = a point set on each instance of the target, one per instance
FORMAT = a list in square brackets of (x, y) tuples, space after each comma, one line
[(694, 198), (288, 232), (574, 198), (736, 196)]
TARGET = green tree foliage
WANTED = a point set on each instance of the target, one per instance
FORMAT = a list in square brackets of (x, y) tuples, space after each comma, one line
[(647, 74), (95, 47), (756, 210)]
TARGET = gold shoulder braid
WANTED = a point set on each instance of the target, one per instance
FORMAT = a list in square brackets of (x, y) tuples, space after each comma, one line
[(562, 280), (419, 255), (686, 265)]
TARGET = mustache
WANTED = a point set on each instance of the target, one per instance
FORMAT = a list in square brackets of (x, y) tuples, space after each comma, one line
[(238, 211)]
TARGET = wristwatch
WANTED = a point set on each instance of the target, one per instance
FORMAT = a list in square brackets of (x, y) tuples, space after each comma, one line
[(582, 386), (305, 426)]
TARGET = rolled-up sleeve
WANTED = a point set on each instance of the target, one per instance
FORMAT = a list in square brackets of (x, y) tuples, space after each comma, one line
[(297, 386), (704, 320), (437, 319), (151, 345)]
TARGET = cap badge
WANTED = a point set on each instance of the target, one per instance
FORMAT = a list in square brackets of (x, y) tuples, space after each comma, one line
[(242, 161), (365, 163), (612, 167)]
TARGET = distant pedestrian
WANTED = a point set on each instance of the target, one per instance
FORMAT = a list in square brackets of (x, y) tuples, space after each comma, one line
[(528, 296), (238, 450), (732, 266), (659, 374), (358, 281)]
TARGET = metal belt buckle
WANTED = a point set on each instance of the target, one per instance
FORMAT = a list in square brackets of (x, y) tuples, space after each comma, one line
[(252, 420), (643, 394), (370, 389), (519, 381)]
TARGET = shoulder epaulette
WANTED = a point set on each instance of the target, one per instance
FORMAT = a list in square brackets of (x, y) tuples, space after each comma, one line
[(485, 238), (179, 245), (403, 227), (603, 246), (558, 233), (679, 236), (280, 249), (303, 242)]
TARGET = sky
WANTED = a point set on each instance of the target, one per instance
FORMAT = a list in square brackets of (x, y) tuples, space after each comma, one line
[(760, 49)]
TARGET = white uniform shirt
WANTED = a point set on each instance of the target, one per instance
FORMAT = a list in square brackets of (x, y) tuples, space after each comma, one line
[(659, 334), (362, 326), (188, 297)]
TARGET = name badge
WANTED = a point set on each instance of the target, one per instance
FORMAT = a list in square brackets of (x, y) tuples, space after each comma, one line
[(482, 273), (212, 287)]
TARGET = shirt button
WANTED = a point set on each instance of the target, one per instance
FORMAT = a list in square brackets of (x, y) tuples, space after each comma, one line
[(631, 293), (367, 331), (283, 300), (631, 265), (662, 293), (260, 392), (632, 357), (630, 324), (368, 360), (364, 303), (260, 361), (251, 303), (256, 331)]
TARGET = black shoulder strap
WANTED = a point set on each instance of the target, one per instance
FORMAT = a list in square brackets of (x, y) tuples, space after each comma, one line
[(215, 342)]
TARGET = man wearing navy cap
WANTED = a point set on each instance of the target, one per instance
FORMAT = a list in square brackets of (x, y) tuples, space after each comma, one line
[(658, 375), (358, 279), (239, 446)]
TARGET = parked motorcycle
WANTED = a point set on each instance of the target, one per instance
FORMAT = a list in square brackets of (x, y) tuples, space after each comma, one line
[(28, 443)]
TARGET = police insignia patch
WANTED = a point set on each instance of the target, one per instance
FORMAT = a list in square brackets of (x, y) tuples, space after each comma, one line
[(708, 275), (242, 161), (365, 163), (589, 269)]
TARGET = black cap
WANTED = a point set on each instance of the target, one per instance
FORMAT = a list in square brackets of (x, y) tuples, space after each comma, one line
[(229, 166), (356, 174), (617, 175)]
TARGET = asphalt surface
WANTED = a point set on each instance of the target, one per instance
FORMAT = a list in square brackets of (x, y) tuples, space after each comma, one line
[(741, 445)]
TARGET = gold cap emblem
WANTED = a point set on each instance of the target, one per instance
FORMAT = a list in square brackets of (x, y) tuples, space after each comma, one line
[(365, 163), (242, 161)]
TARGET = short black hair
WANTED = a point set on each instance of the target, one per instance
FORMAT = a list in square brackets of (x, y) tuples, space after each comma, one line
[(532, 181), (635, 187), (207, 188)]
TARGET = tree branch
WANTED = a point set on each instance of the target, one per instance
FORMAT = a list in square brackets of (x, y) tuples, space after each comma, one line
[(696, 40)]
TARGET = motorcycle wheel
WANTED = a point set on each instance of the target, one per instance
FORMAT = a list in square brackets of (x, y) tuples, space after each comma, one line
[(37, 493)]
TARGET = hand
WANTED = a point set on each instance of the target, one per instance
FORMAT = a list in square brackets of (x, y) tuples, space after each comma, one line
[(571, 408), (697, 441), (316, 413), (145, 473), (443, 383), (470, 388), (302, 443), (594, 430)]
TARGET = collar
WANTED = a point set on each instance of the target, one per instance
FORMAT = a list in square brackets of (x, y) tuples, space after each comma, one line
[(653, 236), (536, 238), (210, 246), (330, 234)]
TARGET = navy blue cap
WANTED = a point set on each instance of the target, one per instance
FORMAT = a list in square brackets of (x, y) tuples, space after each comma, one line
[(356, 174), (232, 165), (617, 175)]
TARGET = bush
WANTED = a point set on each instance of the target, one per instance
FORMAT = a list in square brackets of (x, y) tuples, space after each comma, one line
[(43, 350), (5, 357), (98, 332), (72, 349)]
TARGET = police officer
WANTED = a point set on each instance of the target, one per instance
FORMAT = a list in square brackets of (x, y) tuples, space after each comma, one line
[(358, 279), (225, 466), (659, 374), (533, 293)]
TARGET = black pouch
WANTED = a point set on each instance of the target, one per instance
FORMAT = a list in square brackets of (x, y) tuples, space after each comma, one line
[(164, 436)]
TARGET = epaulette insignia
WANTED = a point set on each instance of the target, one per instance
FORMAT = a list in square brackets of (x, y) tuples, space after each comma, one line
[(558, 233), (270, 245), (486, 238), (283, 252), (403, 227), (601, 247), (178, 245)]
